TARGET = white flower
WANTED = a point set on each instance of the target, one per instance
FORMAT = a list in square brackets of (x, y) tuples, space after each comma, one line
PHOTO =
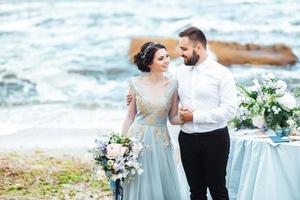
[(133, 171), (140, 171), (291, 122), (258, 121), (275, 109), (248, 100), (288, 101), (115, 150), (280, 87), (244, 111), (129, 163), (116, 166), (259, 99), (256, 87), (243, 117), (136, 148), (266, 97), (125, 173)]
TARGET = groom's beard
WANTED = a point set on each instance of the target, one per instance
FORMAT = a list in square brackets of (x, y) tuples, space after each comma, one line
[(193, 60)]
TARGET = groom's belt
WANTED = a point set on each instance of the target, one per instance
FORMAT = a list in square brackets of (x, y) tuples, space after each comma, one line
[(213, 132)]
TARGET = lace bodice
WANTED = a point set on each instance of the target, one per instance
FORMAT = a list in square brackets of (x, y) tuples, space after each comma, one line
[(152, 104)]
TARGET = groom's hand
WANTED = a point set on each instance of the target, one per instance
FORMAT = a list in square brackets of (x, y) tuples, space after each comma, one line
[(128, 99), (186, 115)]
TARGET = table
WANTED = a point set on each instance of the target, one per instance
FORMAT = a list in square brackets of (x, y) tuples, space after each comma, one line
[(258, 170)]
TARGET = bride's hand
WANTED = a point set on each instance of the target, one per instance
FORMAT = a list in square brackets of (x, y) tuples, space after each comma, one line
[(186, 115), (128, 99)]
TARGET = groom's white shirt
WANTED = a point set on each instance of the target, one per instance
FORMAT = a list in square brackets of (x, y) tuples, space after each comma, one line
[(208, 90)]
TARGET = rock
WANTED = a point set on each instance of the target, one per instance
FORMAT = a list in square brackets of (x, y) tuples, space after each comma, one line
[(234, 53), (228, 53), (170, 43)]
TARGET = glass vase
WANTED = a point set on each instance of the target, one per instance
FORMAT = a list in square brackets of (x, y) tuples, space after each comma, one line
[(281, 132)]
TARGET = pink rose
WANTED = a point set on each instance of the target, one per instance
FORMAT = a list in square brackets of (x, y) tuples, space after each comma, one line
[(115, 150)]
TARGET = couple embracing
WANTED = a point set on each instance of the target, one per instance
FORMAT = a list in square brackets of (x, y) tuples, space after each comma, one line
[(207, 93)]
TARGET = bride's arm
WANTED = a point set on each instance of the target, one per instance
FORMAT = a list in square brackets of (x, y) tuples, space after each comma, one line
[(131, 112), (173, 114)]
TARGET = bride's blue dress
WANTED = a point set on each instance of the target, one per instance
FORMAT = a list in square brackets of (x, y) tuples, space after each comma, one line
[(159, 181)]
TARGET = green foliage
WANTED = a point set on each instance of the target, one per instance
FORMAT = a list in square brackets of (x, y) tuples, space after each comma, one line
[(39, 176)]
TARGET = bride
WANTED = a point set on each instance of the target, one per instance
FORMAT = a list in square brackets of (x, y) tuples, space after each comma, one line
[(154, 101)]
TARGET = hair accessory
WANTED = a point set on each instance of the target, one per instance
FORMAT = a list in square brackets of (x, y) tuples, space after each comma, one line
[(152, 44)]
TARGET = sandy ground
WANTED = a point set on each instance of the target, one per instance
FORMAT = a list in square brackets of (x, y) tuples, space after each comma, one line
[(53, 152), (23, 152), (46, 138)]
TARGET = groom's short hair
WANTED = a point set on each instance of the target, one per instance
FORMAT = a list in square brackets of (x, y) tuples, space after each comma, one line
[(194, 34)]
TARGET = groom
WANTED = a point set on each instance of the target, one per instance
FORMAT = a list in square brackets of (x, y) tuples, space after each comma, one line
[(207, 94)]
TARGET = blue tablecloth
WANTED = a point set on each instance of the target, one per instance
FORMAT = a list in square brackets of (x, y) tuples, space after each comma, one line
[(258, 170)]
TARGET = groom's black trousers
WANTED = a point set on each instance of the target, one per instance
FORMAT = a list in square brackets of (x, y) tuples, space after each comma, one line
[(204, 157)]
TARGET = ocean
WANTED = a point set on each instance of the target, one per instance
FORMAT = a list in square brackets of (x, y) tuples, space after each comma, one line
[(64, 64)]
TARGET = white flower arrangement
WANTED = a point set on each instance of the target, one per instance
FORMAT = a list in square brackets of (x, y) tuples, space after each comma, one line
[(267, 105)]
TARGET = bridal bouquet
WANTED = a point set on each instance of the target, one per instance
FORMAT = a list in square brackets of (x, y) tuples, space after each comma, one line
[(118, 156), (267, 105)]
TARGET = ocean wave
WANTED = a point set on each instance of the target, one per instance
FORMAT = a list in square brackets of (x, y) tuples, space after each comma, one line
[(56, 87), (76, 52), (230, 26)]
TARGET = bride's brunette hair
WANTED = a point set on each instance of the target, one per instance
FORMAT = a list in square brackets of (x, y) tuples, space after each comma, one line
[(146, 54)]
